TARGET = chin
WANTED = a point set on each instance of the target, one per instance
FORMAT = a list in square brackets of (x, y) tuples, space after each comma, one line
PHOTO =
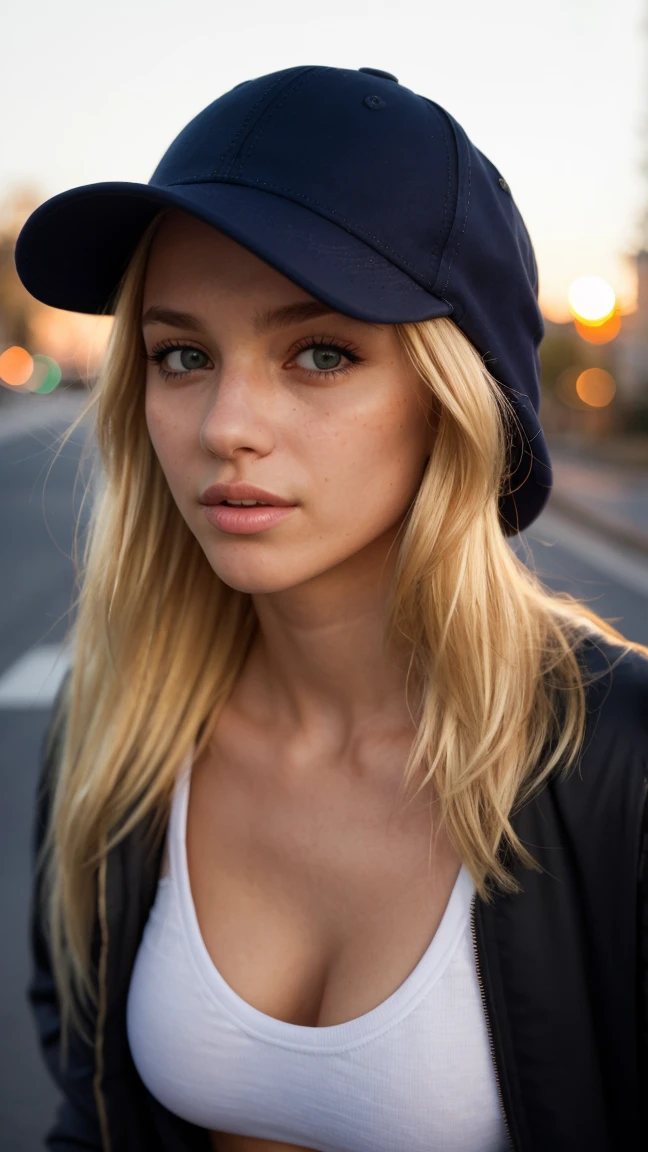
[(255, 578)]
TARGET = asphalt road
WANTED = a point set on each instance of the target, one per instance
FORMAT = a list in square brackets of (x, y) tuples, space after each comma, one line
[(38, 507)]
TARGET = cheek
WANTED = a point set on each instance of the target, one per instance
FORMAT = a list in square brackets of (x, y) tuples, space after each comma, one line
[(167, 431), (371, 468), (154, 415)]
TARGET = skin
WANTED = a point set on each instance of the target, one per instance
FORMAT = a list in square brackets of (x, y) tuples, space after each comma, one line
[(317, 730)]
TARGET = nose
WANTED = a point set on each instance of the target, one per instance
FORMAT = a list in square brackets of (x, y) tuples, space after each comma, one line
[(239, 413)]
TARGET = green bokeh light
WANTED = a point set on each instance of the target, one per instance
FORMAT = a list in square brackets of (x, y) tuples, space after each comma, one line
[(52, 376)]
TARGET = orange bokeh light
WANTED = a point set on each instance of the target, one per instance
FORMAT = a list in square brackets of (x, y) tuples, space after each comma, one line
[(596, 387), (591, 299), (599, 332), (16, 366)]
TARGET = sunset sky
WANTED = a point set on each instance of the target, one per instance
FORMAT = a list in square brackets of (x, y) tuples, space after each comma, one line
[(555, 93)]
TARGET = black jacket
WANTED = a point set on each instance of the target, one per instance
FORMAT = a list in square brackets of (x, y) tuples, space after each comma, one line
[(563, 965)]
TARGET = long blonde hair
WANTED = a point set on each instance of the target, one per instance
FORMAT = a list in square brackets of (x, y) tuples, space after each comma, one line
[(160, 640)]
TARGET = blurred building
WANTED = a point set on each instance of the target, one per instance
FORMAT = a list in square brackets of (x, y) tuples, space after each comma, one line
[(631, 345)]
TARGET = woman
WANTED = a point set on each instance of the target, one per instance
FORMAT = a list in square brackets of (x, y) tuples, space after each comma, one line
[(341, 813)]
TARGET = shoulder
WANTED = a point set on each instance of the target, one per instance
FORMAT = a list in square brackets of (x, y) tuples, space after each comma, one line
[(615, 679), (596, 804), (606, 786)]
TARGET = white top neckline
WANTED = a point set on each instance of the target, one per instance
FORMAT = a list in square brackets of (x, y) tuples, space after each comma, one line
[(330, 1038)]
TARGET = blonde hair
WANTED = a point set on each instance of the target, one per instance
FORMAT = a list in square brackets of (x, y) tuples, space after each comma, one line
[(160, 640)]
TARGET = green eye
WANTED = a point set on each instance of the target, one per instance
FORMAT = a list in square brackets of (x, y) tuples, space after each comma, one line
[(320, 357), (187, 359)]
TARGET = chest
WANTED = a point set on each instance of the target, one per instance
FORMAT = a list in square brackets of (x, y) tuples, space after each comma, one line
[(276, 1038), (316, 893), (309, 898)]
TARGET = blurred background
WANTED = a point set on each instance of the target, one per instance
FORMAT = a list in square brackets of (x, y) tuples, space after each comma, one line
[(555, 94)]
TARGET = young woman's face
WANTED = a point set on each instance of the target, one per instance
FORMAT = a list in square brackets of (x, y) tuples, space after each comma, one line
[(274, 389)]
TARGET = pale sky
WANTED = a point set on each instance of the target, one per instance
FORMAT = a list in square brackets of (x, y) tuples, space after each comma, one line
[(555, 93)]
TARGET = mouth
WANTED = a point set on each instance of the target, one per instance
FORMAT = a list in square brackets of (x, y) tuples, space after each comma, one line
[(247, 504), (243, 495)]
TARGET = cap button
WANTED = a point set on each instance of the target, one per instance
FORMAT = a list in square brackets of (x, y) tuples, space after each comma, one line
[(379, 72)]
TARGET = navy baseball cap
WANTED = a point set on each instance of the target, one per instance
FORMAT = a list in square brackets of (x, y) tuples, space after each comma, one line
[(368, 196)]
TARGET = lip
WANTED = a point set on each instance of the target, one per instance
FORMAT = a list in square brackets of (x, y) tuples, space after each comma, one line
[(242, 491), (245, 521)]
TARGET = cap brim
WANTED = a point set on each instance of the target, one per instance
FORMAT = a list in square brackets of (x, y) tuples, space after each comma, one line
[(74, 249)]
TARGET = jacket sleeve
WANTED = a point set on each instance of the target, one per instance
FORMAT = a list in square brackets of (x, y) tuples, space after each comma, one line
[(643, 963), (76, 1125)]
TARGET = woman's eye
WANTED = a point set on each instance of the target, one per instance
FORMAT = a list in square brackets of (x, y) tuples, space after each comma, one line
[(320, 358), (182, 360)]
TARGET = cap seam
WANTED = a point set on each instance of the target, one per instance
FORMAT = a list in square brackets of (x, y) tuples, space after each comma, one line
[(249, 125), (465, 220), (451, 246), (446, 198), (446, 124), (234, 143), (267, 117)]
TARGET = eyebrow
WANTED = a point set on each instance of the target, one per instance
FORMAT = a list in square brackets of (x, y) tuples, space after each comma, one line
[(277, 318), (270, 321)]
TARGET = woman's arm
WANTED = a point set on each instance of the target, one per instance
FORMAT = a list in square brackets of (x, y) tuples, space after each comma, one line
[(77, 1123)]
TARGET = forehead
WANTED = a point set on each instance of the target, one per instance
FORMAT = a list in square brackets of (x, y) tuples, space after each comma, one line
[(188, 256)]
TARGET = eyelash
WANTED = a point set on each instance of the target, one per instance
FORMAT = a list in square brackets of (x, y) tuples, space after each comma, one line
[(160, 352)]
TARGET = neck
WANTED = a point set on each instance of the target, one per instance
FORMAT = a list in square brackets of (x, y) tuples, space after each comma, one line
[(320, 664)]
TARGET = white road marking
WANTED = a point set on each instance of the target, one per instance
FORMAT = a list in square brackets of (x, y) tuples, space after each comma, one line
[(32, 681)]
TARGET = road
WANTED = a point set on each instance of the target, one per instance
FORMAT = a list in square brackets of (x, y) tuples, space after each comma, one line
[(37, 512)]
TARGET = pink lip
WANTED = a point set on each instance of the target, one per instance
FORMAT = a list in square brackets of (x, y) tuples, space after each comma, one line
[(245, 521), (239, 490)]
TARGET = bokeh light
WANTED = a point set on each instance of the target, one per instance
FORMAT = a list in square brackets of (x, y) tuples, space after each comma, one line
[(599, 333), (16, 366), (596, 387), (25, 373), (591, 299), (46, 374)]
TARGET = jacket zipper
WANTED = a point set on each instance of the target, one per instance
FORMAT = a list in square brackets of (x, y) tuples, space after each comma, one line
[(473, 909), (101, 1009)]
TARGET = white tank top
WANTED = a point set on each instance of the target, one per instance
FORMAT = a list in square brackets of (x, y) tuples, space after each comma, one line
[(414, 1074)]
